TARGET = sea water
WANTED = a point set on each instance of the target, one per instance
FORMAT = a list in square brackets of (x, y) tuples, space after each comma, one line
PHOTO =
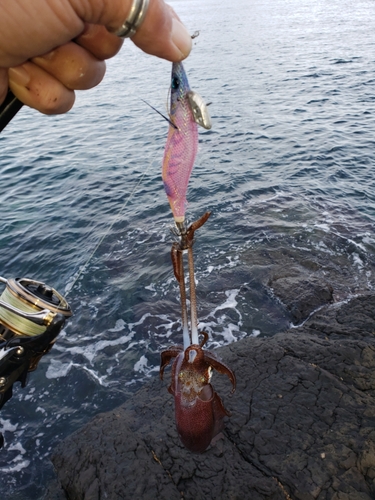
[(289, 163)]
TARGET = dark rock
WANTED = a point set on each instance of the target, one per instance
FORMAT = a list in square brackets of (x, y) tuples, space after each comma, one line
[(54, 491), (302, 296), (302, 424)]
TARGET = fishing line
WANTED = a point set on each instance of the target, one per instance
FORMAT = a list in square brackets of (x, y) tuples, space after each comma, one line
[(69, 287), (201, 30), (84, 266), (19, 323)]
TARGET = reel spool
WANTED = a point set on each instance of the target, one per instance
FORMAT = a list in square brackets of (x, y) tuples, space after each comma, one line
[(32, 314), (27, 307)]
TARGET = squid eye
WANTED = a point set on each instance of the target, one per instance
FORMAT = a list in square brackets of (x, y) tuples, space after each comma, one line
[(181, 375), (175, 82), (203, 379)]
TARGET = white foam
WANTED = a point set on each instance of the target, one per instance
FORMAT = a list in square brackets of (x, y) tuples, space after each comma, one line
[(368, 239), (101, 380), (57, 369), (324, 227), (120, 325), (141, 365), (322, 247), (90, 351), (228, 331), (231, 262), (359, 245), (6, 425), (17, 447), (230, 303), (265, 198), (151, 287), (357, 260), (20, 464), (17, 463)]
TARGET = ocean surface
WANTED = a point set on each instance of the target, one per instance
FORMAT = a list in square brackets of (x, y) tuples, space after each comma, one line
[(289, 162)]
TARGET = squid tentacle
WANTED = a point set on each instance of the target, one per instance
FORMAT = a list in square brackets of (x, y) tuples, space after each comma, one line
[(221, 367)]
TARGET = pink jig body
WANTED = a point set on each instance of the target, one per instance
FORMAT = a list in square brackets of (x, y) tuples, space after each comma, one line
[(182, 144)]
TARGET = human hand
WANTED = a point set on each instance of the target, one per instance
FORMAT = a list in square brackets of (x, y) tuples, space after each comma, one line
[(49, 48)]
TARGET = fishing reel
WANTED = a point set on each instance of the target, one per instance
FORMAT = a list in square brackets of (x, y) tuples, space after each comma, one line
[(32, 315)]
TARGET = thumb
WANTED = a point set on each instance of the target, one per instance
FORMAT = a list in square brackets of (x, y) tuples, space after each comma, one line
[(162, 34)]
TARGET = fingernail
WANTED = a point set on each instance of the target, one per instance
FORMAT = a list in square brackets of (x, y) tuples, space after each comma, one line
[(47, 57), (181, 38), (19, 75)]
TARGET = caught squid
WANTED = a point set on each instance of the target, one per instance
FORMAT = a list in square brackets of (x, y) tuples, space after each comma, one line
[(199, 410)]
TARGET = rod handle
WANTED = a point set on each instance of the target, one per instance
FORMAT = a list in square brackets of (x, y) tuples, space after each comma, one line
[(8, 109)]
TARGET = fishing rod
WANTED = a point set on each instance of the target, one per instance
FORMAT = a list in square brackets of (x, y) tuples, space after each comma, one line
[(8, 109), (32, 314)]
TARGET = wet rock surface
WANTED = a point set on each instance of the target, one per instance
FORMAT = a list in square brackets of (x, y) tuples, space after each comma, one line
[(302, 297), (302, 424)]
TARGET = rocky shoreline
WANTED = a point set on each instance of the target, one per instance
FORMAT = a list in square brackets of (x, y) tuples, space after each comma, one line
[(302, 424)]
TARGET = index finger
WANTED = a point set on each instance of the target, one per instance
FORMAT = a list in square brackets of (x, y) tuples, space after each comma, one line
[(97, 40)]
